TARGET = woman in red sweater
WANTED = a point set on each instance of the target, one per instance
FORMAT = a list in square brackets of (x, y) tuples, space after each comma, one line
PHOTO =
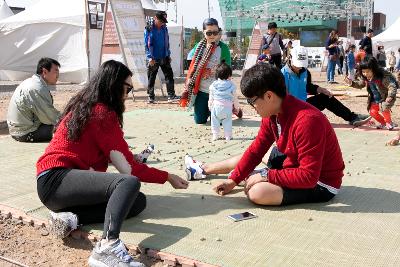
[(71, 175)]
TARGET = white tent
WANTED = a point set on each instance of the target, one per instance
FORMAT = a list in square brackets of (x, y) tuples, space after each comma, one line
[(175, 46), (50, 28), (390, 38), (5, 11)]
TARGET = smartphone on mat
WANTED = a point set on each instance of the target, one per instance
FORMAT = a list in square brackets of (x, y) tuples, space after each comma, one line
[(242, 216)]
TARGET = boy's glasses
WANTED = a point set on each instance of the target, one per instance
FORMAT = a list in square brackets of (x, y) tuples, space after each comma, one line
[(129, 87), (209, 33), (251, 102)]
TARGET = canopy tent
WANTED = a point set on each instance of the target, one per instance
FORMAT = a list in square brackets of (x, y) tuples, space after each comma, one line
[(390, 38), (50, 28), (5, 11)]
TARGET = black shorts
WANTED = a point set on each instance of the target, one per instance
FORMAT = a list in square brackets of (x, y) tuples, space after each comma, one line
[(312, 195)]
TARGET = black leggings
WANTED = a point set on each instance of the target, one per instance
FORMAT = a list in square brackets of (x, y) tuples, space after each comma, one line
[(322, 101), (43, 134), (96, 197)]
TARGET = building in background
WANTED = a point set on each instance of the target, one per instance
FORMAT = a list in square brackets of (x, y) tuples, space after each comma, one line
[(239, 17)]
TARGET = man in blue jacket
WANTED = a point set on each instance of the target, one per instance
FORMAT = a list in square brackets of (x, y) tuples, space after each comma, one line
[(156, 41), (298, 83)]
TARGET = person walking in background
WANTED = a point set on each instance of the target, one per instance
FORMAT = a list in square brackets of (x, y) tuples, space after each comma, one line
[(382, 88), (366, 43), (221, 100), (31, 115), (286, 52), (341, 54), (209, 52), (381, 57), (274, 40), (71, 174), (156, 39), (392, 61), (331, 47), (398, 61), (351, 62)]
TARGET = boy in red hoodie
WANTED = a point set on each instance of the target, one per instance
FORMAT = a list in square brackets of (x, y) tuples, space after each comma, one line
[(306, 165)]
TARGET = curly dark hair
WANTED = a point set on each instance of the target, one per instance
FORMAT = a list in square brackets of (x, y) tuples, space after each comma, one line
[(107, 87)]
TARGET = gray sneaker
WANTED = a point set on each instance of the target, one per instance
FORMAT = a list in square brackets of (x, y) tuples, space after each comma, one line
[(61, 224), (113, 255), (359, 120)]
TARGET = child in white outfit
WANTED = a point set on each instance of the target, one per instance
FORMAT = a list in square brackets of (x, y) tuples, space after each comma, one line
[(221, 100)]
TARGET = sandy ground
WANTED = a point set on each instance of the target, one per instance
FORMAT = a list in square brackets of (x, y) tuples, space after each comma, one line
[(35, 247)]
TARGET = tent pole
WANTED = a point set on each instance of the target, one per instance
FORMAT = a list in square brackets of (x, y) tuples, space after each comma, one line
[(182, 48), (87, 37), (104, 27)]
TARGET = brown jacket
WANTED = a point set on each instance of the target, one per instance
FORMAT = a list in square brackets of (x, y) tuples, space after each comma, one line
[(387, 88)]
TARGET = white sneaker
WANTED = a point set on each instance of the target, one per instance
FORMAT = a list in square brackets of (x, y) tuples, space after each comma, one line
[(193, 169), (112, 255), (62, 223), (145, 154)]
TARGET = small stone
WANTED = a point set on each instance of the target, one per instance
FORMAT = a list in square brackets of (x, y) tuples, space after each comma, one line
[(31, 223), (310, 219), (218, 239), (44, 232), (202, 197), (202, 239)]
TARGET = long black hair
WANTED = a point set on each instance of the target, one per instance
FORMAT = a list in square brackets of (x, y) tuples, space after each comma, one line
[(107, 87), (372, 64)]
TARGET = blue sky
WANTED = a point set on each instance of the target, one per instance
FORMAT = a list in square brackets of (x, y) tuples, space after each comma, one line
[(195, 11)]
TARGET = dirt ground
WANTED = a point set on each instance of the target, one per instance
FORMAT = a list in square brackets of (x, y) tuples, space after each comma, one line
[(33, 246)]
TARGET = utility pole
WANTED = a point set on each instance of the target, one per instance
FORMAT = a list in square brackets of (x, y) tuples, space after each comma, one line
[(239, 26), (208, 4), (349, 11)]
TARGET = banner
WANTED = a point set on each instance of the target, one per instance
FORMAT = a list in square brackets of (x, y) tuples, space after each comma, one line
[(96, 14), (130, 22), (255, 44), (110, 48)]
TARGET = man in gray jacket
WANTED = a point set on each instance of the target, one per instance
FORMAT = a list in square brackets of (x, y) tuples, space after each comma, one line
[(274, 40), (31, 115)]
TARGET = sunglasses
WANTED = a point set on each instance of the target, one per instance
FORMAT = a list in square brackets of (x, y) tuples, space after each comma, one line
[(129, 88), (209, 33), (251, 102)]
